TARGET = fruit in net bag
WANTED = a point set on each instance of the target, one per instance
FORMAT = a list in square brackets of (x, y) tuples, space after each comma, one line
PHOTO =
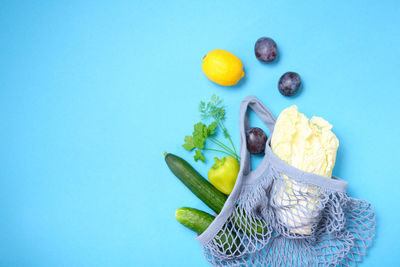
[(256, 140)]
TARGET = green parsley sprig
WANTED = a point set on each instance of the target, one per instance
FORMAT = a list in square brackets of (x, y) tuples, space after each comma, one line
[(202, 132)]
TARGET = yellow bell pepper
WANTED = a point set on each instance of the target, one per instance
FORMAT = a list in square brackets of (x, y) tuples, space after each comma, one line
[(223, 174)]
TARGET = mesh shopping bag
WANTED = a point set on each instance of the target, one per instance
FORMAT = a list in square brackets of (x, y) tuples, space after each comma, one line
[(278, 215)]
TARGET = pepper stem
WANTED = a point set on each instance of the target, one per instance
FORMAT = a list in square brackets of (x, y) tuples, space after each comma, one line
[(218, 162)]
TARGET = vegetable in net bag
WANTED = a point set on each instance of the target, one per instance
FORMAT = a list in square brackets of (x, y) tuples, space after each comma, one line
[(311, 146), (280, 215)]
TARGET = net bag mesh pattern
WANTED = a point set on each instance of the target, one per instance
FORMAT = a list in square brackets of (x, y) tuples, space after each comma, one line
[(278, 215)]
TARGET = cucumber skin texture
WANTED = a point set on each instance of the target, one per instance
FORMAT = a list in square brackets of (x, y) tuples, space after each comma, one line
[(199, 221), (194, 219), (202, 188)]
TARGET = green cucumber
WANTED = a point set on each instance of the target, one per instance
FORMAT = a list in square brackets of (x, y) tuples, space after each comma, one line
[(194, 219), (199, 221), (202, 188)]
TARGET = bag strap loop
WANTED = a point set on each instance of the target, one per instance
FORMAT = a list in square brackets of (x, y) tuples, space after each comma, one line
[(269, 119), (264, 114)]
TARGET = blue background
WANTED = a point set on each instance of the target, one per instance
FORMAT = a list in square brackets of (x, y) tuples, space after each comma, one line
[(92, 93)]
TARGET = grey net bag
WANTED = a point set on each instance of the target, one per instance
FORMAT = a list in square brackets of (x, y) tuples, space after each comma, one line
[(278, 215)]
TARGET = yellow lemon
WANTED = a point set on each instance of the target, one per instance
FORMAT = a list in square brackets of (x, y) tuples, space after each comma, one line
[(222, 67)]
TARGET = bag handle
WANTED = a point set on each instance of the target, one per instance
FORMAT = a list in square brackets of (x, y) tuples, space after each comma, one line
[(269, 119), (266, 117)]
